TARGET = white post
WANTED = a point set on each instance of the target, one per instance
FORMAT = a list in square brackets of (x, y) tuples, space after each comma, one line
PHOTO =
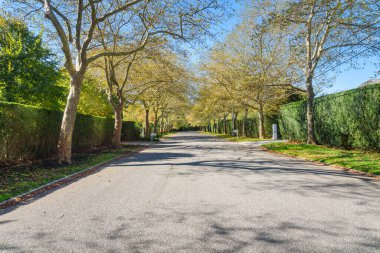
[(236, 131), (152, 135), (274, 130)]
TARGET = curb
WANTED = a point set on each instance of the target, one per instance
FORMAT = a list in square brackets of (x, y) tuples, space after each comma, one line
[(65, 180), (351, 171)]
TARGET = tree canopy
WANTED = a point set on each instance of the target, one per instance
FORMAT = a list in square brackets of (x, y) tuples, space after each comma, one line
[(29, 72)]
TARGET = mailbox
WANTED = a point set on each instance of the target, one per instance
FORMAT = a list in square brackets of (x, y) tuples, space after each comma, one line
[(152, 135), (275, 132)]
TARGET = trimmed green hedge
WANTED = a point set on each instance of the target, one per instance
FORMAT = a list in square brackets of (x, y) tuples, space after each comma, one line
[(131, 131), (252, 127), (31, 133), (349, 119)]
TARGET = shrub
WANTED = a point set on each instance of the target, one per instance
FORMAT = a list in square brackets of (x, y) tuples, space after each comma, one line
[(31, 133), (130, 131), (349, 119)]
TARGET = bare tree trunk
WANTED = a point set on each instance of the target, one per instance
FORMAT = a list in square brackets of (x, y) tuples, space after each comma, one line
[(309, 81), (164, 126), (161, 126), (310, 111), (244, 130), (261, 122), (235, 121), (116, 139), (147, 125), (155, 123), (225, 123), (68, 120)]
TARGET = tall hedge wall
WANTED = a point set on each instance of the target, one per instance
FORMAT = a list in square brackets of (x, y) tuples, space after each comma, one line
[(30, 133), (131, 131), (252, 127), (349, 119)]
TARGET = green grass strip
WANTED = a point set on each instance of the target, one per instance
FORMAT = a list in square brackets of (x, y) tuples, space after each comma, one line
[(233, 138), (359, 160), (17, 180)]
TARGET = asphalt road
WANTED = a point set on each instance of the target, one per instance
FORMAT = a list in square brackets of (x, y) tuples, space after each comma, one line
[(193, 193)]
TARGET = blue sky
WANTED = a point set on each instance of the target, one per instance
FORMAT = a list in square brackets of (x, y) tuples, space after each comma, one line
[(352, 78), (345, 78)]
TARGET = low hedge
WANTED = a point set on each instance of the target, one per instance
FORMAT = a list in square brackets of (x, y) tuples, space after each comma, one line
[(349, 119), (31, 133), (252, 126), (131, 131)]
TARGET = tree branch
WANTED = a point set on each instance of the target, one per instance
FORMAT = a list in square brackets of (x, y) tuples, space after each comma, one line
[(49, 14)]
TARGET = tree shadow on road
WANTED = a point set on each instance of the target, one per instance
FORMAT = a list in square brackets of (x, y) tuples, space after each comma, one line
[(184, 228)]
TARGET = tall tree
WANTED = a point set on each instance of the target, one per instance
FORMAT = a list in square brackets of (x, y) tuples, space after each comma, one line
[(254, 68), (265, 66)]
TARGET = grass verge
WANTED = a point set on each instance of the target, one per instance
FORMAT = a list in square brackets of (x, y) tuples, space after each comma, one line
[(165, 135), (17, 180), (233, 138), (368, 162)]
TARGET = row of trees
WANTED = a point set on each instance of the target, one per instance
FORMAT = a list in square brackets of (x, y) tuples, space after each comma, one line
[(154, 80), (283, 50), (120, 38)]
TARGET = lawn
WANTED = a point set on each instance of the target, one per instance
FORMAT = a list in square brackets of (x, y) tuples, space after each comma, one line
[(364, 161), (233, 138), (18, 180)]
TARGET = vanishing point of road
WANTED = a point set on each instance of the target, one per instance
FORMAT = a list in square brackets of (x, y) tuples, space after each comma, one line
[(195, 193)]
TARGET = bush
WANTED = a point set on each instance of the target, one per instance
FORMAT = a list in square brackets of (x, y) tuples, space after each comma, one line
[(31, 133), (349, 119), (252, 127), (131, 131), (292, 121)]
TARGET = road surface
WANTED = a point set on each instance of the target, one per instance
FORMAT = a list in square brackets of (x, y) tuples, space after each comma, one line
[(194, 193)]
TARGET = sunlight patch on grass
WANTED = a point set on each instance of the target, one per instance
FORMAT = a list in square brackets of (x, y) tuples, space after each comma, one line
[(233, 138), (364, 161), (17, 180)]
